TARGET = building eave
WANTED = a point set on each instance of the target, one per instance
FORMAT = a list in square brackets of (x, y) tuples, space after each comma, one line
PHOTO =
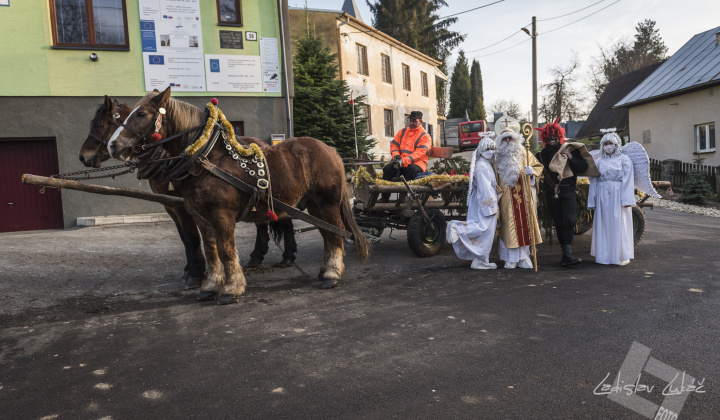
[(668, 95), (365, 28)]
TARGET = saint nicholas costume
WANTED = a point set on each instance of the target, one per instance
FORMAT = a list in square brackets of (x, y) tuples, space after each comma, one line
[(518, 212)]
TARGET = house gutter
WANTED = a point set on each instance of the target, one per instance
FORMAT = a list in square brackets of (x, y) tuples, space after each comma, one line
[(286, 82)]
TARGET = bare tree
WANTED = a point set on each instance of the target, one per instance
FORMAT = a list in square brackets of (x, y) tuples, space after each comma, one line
[(508, 106), (562, 99)]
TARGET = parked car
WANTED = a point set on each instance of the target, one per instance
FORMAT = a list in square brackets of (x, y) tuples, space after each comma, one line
[(469, 134)]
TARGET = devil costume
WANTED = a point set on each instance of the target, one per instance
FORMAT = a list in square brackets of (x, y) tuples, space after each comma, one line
[(560, 194)]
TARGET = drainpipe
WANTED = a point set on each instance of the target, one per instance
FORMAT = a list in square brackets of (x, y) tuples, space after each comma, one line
[(286, 83)]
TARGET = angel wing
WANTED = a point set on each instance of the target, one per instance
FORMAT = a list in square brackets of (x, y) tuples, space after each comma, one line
[(641, 167)]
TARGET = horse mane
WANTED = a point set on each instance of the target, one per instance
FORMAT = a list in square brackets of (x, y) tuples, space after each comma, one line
[(180, 115)]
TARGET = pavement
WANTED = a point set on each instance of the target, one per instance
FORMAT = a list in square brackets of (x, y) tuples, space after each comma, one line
[(94, 324)]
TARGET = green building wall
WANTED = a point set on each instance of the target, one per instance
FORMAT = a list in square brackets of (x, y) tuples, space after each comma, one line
[(48, 92), (32, 67)]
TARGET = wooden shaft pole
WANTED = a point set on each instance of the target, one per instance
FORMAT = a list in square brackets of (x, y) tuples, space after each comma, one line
[(529, 210), (44, 181)]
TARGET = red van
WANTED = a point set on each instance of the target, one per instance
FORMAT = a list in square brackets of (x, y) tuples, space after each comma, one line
[(469, 134)]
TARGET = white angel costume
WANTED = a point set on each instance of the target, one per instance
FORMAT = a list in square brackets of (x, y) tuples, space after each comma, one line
[(609, 194), (473, 238)]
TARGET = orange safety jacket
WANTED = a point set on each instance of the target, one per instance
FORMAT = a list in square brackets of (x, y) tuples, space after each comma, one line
[(412, 145)]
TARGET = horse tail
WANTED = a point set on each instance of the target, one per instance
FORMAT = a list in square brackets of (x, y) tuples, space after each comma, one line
[(362, 245), (276, 231)]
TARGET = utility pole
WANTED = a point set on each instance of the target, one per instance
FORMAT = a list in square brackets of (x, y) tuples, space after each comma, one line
[(535, 122), (534, 85)]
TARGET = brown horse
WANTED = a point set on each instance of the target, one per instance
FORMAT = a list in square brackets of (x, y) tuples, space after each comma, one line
[(94, 151), (300, 169)]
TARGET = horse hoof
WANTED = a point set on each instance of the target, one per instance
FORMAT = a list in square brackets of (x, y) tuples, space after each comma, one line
[(329, 283), (193, 282), (227, 299), (206, 296), (286, 262), (254, 262)]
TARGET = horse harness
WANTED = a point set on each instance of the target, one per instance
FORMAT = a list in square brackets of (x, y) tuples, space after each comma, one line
[(183, 166)]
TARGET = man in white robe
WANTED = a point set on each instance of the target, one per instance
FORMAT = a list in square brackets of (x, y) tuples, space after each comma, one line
[(473, 239), (612, 195)]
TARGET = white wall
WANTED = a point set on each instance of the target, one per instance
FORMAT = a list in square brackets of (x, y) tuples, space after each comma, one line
[(672, 122), (381, 95)]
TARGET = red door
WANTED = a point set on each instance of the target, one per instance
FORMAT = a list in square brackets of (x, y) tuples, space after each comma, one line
[(22, 207)]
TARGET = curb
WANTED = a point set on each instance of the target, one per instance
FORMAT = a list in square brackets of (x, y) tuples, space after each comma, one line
[(123, 219)]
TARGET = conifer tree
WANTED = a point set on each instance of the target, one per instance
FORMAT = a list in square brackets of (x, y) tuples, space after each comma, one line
[(460, 88), (322, 105), (696, 189), (476, 111)]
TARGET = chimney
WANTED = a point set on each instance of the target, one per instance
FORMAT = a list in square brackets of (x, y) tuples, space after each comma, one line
[(717, 39)]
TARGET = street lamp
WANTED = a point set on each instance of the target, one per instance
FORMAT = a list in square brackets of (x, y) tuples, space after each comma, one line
[(533, 35)]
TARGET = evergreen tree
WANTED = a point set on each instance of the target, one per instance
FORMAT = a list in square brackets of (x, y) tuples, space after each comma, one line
[(460, 88), (623, 57), (696, 189), (321, 107), (476, 110), (417, 24)]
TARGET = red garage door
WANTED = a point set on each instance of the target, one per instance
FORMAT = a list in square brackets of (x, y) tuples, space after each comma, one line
[(22, 207)]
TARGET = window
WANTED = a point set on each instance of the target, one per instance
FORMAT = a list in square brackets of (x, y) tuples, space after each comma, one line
[(238, 128), (229, 12), (423, 83), (407, 120), (646, 137), (474, 127), (389, 123), (362, 64), (89, 23), (430, 131), (406, 76), (386, 75), (368, 117), (705, 137)]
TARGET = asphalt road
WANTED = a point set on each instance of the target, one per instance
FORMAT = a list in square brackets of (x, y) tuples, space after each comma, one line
[(93, 324)]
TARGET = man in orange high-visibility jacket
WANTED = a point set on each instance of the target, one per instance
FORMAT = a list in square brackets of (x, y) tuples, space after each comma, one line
[(409, 151)]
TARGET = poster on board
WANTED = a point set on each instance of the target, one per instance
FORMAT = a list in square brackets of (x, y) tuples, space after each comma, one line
[(233, 73), (270, 65), (182, 72), (171, 40)]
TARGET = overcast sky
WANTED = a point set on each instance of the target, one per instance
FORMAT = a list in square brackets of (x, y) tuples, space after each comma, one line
[(507, 67)]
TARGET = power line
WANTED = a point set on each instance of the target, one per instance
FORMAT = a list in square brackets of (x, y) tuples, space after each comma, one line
[(571, 13), (498, 52), (492, 45), (470, 10), (552, 30), (438, 19), (597, 11), (539, 20)]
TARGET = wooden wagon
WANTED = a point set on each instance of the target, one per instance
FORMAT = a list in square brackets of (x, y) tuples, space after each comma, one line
[(420, 206)]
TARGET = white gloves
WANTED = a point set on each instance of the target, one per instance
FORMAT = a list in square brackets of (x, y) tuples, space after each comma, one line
[(529, 171)]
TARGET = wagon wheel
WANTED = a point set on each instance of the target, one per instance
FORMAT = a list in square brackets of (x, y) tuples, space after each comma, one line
[(583, 226), (424, 239), (638, 218)]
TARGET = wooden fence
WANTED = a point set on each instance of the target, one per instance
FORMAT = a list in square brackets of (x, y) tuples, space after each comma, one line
[(681, 171)]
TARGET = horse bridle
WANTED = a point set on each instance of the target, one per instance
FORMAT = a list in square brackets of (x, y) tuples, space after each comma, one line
[(158, 121), (105, 137)]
